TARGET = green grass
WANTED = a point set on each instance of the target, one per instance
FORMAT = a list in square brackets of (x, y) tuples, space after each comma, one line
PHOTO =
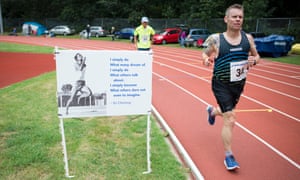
[(13, 47), (290, 59), (98, 147)]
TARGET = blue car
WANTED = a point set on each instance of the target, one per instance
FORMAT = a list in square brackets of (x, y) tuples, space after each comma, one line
[(125, 33)]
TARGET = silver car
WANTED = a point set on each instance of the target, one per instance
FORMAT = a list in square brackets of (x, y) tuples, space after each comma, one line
[(62, 30), (95, 31), (195, 36)]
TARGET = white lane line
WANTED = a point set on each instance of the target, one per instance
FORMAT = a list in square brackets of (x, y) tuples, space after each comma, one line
[(270, 107), (269, 146), (275, 80), (273, 90), (179, 146), (275, 73), (296, 77)]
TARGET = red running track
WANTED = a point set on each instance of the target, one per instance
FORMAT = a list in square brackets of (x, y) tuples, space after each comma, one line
[(16, 67), (266, 144)]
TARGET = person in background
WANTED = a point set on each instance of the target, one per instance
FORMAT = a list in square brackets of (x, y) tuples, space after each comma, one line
[(112, 32), (232, 52), (143, 35), (88, 31), (29, 30), (13, 32), (182, 38)]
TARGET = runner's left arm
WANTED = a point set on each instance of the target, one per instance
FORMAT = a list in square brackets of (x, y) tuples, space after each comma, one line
[(253, 54)]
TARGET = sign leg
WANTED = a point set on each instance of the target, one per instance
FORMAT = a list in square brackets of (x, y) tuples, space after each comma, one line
[(63, 143), (148, 144)]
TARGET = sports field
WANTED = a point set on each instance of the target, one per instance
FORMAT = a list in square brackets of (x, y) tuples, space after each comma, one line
[(266, 137)]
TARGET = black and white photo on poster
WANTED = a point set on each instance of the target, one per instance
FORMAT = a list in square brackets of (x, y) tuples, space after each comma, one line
[(103, 83)]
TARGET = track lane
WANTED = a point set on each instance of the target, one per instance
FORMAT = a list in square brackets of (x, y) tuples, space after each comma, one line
[(291, 145), (198, 89), (23, 66), (204, 144), (195, 72)]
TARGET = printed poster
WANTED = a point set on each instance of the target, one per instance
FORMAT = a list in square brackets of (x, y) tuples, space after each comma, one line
[(103, 83)]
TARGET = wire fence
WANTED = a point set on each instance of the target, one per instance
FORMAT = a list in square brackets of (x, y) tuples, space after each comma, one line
[(288, 26)]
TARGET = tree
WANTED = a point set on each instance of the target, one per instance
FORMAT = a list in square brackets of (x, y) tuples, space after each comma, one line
[(188, 9), (257, 9)]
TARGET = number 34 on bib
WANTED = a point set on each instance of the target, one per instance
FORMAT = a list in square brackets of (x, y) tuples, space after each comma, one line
[(238, 70)]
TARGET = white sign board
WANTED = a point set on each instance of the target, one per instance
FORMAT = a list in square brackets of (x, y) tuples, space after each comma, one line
[(103, 83)]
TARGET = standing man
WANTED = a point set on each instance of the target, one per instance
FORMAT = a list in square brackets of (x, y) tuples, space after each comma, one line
[(88, 30), (112, 33), (29, 30), (233, 52), (143, 35)]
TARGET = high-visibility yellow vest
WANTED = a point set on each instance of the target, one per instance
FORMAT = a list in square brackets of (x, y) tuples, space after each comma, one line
[(144, 36)]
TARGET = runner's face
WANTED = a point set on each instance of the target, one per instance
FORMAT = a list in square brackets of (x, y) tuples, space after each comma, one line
[(145, 24), (234, 19)]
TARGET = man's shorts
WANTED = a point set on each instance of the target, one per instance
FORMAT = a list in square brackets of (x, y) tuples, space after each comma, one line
[(144, 49), (227, 94)]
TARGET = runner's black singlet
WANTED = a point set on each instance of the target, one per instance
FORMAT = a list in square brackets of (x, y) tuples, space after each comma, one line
[(230, 53)]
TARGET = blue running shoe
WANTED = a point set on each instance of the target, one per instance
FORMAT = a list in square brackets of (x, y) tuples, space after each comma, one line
[(211, 118), (230, 163)]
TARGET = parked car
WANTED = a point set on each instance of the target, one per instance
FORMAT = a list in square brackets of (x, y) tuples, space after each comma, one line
[(62, 30), (196, 36), (169, 35), (95, 31), (125, 33)]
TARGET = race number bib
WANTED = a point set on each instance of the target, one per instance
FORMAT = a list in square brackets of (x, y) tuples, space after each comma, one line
[(238, 70), (144, 38)]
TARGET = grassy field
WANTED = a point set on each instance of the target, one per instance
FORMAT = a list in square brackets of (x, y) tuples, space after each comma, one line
[(12, 47), (290, 59), (98, 148)]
